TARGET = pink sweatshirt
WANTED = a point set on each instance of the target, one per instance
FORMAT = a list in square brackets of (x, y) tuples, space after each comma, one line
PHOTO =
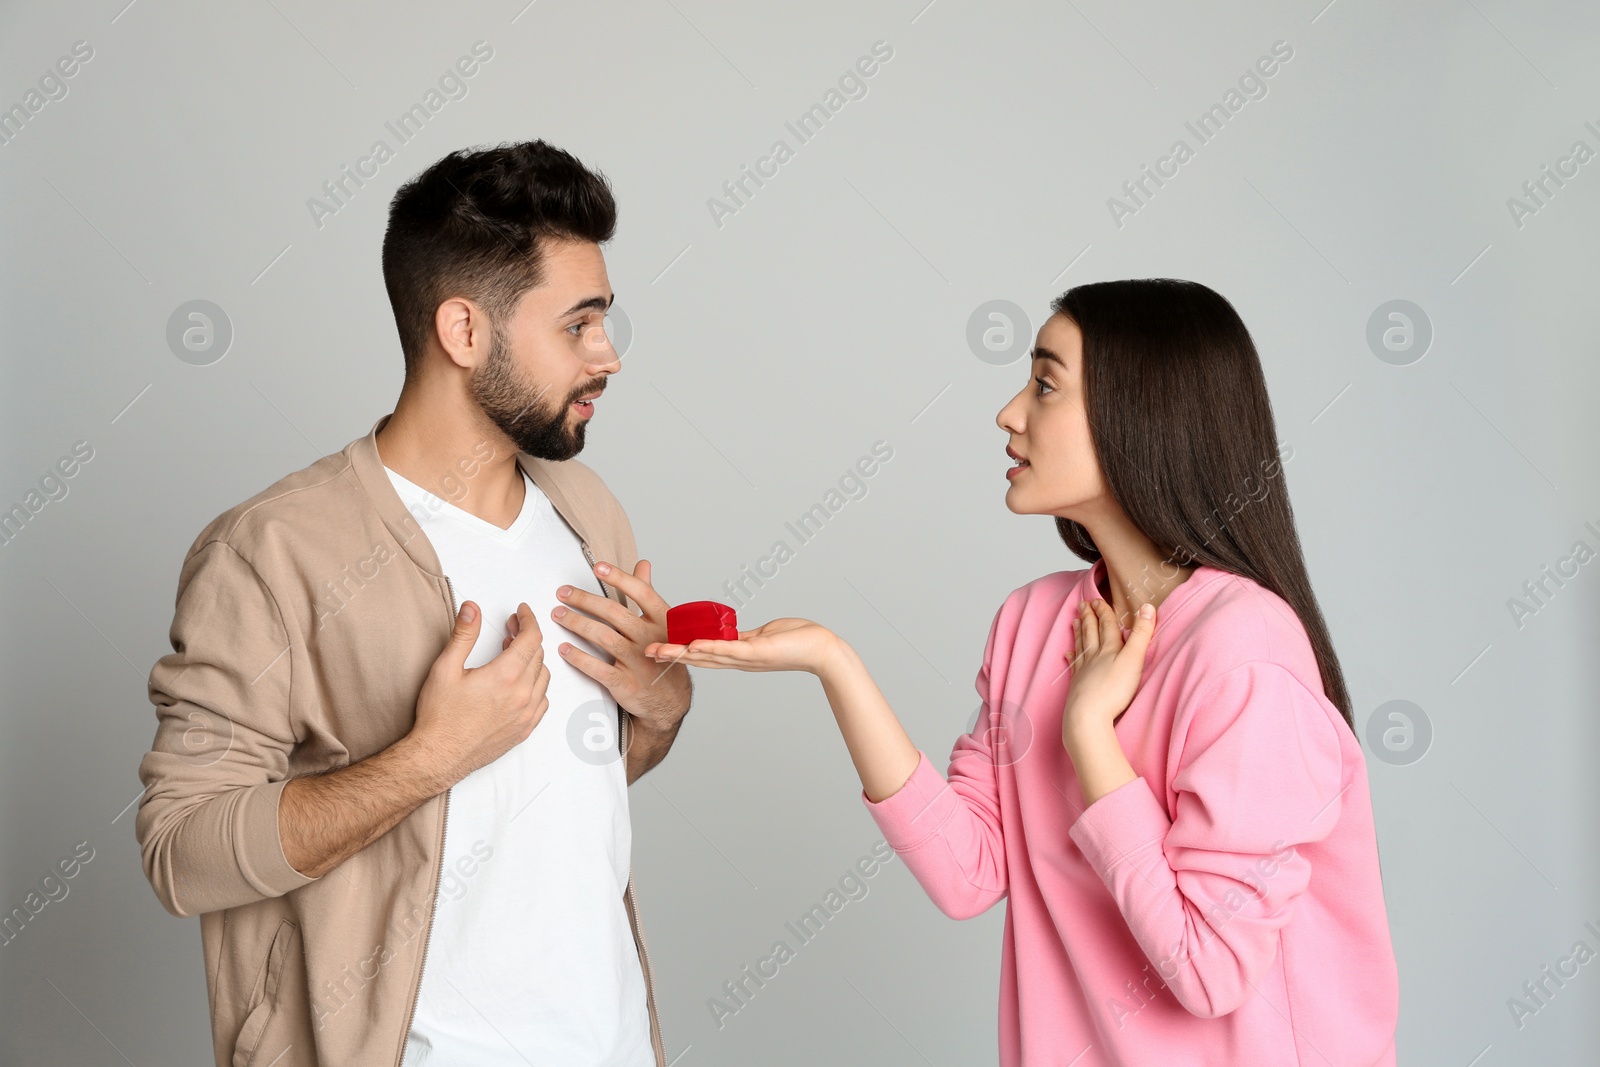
[(1224, 907)]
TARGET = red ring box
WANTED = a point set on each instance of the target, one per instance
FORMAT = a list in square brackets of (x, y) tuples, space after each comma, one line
[(701, 618)]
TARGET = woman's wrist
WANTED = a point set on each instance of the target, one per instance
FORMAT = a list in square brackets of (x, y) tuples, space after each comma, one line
[(836, 658), (884, 756), (1098, 759), (1082, 737)]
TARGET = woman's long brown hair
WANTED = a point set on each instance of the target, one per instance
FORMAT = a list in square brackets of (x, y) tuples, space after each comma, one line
[(1180, 419)]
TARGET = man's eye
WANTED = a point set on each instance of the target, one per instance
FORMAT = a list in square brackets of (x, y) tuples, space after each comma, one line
[(576, 328)]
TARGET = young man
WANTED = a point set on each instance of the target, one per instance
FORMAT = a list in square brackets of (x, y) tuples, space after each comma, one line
[(397, 804)]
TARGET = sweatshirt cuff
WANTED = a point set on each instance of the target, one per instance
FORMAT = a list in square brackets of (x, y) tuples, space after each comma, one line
[(1123, 822), (261, 858), (917, 810)]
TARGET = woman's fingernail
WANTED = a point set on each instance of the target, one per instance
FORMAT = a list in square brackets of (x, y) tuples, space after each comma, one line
[(559, 611), (1147, 611), (602, 568)]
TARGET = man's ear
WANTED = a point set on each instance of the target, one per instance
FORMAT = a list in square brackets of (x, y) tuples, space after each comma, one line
[(462, 330)]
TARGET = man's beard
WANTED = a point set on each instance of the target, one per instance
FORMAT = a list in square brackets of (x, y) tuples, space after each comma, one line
[(521, 410)]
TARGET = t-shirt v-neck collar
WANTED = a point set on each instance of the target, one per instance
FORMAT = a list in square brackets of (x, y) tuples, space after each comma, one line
[(518, 526)]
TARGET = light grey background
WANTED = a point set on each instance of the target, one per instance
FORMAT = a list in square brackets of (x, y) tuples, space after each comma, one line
[(769, 354)]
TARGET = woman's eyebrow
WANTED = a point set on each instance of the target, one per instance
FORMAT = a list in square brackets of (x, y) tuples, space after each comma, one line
[(1040, 352)]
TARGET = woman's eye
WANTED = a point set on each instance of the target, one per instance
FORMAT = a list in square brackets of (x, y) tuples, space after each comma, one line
[(1043, 385)]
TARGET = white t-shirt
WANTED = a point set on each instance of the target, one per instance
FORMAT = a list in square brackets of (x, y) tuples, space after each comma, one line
[(531, 958)]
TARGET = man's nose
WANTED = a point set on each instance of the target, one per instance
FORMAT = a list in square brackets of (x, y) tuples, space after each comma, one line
[(599, 353)]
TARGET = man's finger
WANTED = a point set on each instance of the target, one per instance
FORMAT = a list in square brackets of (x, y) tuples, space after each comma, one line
[(605, 609), (598, 633), (528, 645), (608, 675), (636, 587), (468, 620)]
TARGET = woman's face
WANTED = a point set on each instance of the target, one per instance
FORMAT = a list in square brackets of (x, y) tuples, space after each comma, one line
[(1049, 427)]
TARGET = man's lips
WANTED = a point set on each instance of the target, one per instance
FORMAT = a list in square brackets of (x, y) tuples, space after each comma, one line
[(585, 405)]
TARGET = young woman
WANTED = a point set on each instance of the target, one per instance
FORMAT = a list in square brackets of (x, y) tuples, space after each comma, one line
[(1175, 811)]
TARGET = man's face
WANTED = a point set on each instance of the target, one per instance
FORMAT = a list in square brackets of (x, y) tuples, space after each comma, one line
[(549, 353)]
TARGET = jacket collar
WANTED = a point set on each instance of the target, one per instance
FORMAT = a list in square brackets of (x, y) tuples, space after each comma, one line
[(368, 465)]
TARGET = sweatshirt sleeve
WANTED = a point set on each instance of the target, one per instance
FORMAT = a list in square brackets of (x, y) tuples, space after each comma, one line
[(1206, 892), (208, 819), (949, 832)]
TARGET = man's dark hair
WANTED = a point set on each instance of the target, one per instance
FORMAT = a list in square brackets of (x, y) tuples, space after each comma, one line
[(474, 225)]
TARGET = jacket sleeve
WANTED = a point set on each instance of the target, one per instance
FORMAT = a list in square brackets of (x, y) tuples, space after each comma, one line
[(949, 831), (208, 818), (1206, 892)]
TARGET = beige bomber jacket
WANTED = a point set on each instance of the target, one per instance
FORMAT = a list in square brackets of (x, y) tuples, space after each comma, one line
[(307, 617)]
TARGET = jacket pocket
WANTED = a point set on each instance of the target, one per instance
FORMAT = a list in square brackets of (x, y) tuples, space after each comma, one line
[(264, 999)]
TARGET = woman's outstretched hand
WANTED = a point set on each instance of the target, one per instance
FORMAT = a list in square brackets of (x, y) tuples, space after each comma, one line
[(780, 645), (882, 752)]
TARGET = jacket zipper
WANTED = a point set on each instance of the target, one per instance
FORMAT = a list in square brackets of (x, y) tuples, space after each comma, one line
[(433, 904), (649, 977), (604, 591), (633, 912)]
